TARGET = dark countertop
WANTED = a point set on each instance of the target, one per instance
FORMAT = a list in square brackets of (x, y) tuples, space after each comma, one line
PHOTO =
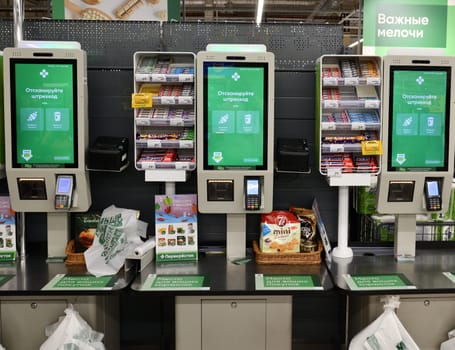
[(230, 279), (31, 274), (425, 273)]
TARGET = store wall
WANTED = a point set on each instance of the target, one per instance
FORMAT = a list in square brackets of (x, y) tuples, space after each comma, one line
[(110, 47)]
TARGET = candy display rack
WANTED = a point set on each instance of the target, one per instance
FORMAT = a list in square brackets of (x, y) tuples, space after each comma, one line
[(348, 128), (164, 115)]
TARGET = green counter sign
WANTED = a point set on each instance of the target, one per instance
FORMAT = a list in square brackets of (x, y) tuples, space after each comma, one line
[(291, 282), (175, 282), (80, 282), (378, 282), (450, 276), (5, 278)]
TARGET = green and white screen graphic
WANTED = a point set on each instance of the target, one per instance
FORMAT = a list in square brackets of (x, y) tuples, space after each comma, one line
[(45, 112), (418, 119), (235, 115)]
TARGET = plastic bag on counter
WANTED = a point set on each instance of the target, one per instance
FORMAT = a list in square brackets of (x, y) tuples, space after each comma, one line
[(117, 235), (449, 344), (72, 332), (385, 333)]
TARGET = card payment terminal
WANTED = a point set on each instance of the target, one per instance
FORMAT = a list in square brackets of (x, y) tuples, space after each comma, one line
[(64, 192)]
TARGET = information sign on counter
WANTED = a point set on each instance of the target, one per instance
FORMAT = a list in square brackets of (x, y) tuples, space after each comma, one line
[(378, 282), (291, 282), (4, 279), (450, 276), (175, 282), (80, 282)]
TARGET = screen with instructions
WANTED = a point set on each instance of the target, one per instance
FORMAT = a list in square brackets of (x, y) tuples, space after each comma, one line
[(44, 104), (419, 112), (235, 108)]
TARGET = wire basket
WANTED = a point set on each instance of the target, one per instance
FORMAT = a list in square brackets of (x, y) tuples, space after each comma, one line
[(374, 230), (287, 258)]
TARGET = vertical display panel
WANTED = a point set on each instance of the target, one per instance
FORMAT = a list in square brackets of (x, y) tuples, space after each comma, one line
[(418, 120), (235, 110), (419, 110), (44, 112), (235, 130), (46, 127)]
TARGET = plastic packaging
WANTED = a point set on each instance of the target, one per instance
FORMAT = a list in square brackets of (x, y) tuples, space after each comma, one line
[(117, 235), (72, 332), (384, 333)]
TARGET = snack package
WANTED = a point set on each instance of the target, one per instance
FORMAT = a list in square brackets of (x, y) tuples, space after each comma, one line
[(280, 233), (307, 219)]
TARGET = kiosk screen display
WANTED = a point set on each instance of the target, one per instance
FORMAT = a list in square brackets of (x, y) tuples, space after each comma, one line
[(235, 115), (44, 112), (419, 111)]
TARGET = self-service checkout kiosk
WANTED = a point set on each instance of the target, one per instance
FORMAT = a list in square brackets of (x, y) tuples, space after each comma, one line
[(235, 136), (46, 136), (235, 142), (418, 159)]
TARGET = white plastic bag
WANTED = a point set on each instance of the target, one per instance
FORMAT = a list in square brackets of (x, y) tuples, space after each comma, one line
[(117, 235), (72, 332), (385, 333), (449, 344)]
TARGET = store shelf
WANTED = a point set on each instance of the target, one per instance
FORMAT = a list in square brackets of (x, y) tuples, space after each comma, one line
[(348, 117), (164, 119)]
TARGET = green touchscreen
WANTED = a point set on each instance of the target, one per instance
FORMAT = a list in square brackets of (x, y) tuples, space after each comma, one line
[(419, 119), (44, 108), (235, 112)]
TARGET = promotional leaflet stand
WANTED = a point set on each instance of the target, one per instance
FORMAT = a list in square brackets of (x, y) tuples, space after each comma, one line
[(46, 136), (417, 166), (348, 129)]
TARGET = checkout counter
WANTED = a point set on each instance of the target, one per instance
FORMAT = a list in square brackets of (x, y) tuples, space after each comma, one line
[(427, 303)]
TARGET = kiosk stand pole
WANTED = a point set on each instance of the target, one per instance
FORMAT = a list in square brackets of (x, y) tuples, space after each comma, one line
[(21, 232), (342, 250), (235, 236), (169, 188), (404, 247), (58, 228)]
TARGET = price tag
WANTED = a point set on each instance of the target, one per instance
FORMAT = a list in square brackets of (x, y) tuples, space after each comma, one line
[(373, 81), (141, 144), (153, 143), (182, 166), (185, 100), (372, 104), (351, 81), (159, 78), (328, 126), (176, 122), (141, 100), (358, 126), (186, 144), (336, 148), (334, 172), (371, 148), (330, 81), (185, 78), (330, 103), (168, 100)]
